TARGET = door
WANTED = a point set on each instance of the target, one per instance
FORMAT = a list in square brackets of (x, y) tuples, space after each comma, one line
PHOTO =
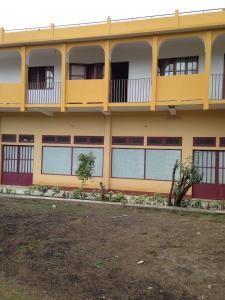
[(119, 82), (212, 165), (17, 166)]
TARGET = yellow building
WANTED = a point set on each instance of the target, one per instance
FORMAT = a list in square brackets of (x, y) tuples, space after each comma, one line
[(139, 93)]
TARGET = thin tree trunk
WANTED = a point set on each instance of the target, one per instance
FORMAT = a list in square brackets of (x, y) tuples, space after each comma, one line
[(169, 202)]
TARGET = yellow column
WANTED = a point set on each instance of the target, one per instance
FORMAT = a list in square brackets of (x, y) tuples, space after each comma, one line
[(24, 77), (107, 153), (154, 71), (37, 158), (107, 76), (208, 58), (64, 74)]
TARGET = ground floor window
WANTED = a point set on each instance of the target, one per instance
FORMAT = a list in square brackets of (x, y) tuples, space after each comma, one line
[(128, 163), (56, 160), (98, 153), (156, 164), (64, 160), (160, 163)]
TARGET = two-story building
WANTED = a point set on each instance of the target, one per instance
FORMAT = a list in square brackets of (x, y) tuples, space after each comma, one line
[(139, 93)]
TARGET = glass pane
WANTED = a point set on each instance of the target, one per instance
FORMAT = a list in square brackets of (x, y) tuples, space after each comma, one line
[(160, 163), (78, 70), (98, 153), (56, 160), (128, 163)]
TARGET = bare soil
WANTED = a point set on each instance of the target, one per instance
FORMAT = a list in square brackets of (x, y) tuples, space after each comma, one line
[(75, 251)]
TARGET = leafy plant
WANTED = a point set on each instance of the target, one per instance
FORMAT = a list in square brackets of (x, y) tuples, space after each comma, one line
[(43, 189), (197, 204), (185, 203), (78, 194), (85, 168), (189, 175), (140, 199), (55, 191), (8, 191), (102, 192), (120, 197), (158, 198)]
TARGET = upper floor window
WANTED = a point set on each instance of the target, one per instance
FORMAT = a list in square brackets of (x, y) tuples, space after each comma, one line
[(178, 66), (86, 71), (41, 77)]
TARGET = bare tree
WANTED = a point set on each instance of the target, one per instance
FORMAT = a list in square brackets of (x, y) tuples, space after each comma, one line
[(189, 175)]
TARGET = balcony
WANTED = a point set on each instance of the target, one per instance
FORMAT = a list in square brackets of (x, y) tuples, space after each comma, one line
[(130, 90), (181, 88), (42, 93), (85, 91), (11, 94)]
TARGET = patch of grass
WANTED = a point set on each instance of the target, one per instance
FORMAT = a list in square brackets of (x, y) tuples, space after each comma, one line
[(10, 290), (98, 264), (217, 218), (40, 206)]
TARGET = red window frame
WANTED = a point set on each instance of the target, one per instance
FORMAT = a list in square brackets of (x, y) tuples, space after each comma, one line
[(128, 140), (178, 61), (56, 139), (163, 141), (8, 138), (198, 142), (222, 141), (84, 140), (26, 138)]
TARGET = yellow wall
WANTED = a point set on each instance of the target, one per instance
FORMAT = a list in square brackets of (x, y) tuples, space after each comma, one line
[(155, 31), (185, 124)]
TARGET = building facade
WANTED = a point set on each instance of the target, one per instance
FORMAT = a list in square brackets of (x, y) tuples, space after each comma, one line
[(138, 93)]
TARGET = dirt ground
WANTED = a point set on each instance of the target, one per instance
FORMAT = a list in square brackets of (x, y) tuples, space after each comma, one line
[(74, 251)]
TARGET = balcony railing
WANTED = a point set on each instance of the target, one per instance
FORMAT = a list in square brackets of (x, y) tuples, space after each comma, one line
[(217, 87), (130, 90), (44, 93)]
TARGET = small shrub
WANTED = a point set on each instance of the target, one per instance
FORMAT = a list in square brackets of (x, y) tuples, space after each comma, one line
[(86, 166), (30, 190), (120, 197), (185, 203), (78, 194), (158, 199), (43, 189), (215, 205), (9, 191), (102, 192), (140, 200), (55, 191), (197, 204)]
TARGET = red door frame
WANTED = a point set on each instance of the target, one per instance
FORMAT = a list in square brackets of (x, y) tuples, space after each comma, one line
[(210, 190), (17, 178)]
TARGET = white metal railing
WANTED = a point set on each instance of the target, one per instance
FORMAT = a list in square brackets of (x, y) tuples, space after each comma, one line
[(44, 93), (130, 90), (217, 86), (119, 20)]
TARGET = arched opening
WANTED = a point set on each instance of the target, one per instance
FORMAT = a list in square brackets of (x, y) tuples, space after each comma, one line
[(44, 76), (86, 62), (184, 56), (10, 67), (217, 84), (131, 72)]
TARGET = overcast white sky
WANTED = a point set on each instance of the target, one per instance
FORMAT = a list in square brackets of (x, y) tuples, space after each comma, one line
[(30, 13)]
